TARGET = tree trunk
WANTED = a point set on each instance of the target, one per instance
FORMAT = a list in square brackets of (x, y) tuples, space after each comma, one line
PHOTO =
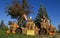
[(25, 16)]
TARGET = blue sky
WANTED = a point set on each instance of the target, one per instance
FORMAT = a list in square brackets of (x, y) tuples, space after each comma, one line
[(52, 6)]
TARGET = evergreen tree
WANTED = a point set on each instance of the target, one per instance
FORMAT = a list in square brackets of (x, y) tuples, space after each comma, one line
[(42, 11), (2, 24), (59, 28)]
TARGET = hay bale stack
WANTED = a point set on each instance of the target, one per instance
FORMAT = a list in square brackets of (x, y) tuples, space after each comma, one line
[(12, 28), (30, 25)]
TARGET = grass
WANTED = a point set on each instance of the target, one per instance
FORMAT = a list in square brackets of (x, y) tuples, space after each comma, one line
[(4, 35)]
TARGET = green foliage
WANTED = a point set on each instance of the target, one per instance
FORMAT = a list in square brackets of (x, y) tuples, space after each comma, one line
[(16, 10), (59, 28), (3, 26), (42, 12)]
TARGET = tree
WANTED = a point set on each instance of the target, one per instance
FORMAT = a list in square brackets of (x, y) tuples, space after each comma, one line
[(19, 11), (42, 12), (59, 28), (2, 24)]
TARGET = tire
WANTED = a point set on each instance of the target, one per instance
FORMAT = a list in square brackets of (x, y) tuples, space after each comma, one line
[(19, 30), (42, 31)]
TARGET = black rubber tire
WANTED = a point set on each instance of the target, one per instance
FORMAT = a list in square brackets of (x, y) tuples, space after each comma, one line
[(19, 30), (42, 31)]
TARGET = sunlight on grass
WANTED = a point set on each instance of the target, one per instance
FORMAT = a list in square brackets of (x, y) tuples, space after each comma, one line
[(4, 35)]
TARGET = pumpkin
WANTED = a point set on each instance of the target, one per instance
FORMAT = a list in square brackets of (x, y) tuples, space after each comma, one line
[(52, 34), (7, 31)]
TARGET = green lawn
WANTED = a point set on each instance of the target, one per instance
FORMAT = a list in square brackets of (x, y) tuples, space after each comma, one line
[(4, 35)]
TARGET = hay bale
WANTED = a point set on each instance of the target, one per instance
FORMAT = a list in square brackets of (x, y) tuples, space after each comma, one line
[(30, 25), (13, 32), (36, 31), (43, 25), (24, 30)]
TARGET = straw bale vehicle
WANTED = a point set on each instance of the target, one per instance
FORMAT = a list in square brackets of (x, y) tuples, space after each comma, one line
[(46, 28)]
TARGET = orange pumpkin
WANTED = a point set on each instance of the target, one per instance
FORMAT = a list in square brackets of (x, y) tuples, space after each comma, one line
[(52, 34), (7, 31)]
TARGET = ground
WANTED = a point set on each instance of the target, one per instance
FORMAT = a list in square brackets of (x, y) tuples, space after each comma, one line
[(4, 35)]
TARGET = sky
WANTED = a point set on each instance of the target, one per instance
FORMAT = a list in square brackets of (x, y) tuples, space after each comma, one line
[(52, 6)]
